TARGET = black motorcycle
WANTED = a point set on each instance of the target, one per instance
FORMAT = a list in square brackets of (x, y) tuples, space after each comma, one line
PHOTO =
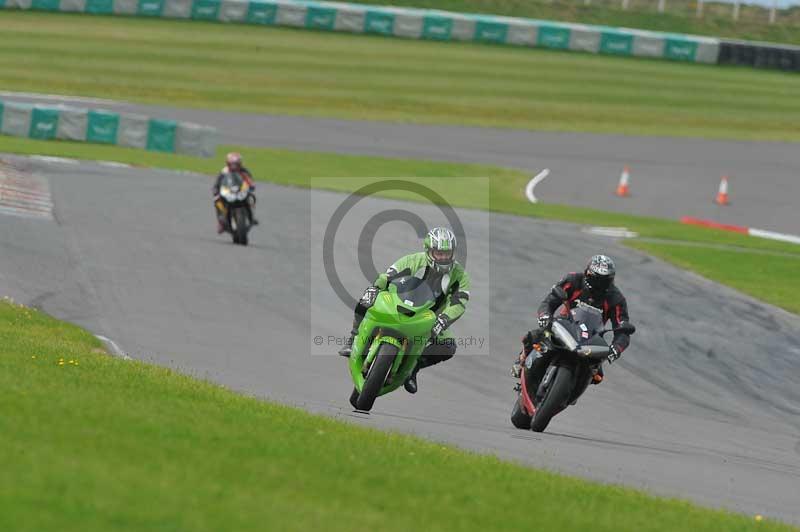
[(576, 348), (235, 204)]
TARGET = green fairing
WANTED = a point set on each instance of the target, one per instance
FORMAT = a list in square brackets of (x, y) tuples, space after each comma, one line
[(383, 315), (453, 307)]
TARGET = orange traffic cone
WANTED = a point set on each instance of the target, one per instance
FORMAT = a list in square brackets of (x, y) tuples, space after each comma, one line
[(722, 193), (623, 188)]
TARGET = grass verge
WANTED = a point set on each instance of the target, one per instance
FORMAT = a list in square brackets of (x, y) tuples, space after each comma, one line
[(278, 70), (92, 442)]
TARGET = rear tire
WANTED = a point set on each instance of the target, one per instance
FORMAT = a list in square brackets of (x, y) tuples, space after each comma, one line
[(519, 418), (556, 397), (378, 372)]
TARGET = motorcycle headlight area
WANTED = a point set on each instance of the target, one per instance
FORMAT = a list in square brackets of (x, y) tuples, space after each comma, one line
[(564, 336)]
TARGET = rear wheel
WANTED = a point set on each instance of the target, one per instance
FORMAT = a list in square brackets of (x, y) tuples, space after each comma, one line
[(554, 400), (519, 418), (376, 377)]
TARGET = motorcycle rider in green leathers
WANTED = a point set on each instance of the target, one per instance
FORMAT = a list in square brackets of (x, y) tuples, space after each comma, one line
[(449, 282)]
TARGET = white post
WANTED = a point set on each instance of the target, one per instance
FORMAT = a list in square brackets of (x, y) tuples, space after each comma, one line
[(772, 11), (699, 8), (736, 10), (661, 5), (625, 4), (587, 2)]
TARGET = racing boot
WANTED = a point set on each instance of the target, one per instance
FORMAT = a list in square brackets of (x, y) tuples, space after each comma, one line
[(597, 375), (516, 368), (348, 344), (411, 382), (347, 350)]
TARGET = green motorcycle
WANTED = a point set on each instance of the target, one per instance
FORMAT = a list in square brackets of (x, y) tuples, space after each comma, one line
[(390, 339)]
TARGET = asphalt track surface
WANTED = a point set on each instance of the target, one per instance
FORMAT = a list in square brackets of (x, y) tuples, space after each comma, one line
[(704, 405), (670, 177)]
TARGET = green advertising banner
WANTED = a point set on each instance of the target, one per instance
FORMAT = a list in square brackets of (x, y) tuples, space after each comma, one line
[(616, 43), (261, 13), (150, 8), (489, 31), (379, 22), (44, 123), (553, 37), (99, 7), (320, 18), (102, 127), (161, 135), (205, 9), (680, 49), (437, 28), (46, 5)]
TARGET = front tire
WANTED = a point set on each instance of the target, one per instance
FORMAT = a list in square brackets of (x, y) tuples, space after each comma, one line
[(240, 230), (376, 377), (554, 399), (519, 418)]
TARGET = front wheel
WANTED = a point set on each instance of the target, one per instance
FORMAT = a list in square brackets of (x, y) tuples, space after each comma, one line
[(376, 376), (554, 399), (519, 418), (240, 226)]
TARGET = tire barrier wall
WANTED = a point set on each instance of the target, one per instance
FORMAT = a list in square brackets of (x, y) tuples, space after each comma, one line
[(106, 127), (402, 22)]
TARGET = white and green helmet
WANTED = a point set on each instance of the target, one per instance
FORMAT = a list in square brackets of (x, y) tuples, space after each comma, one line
[(440, 248)]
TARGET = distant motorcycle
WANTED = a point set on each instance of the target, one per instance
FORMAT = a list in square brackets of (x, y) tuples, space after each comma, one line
[(235, 202), (577, 349)]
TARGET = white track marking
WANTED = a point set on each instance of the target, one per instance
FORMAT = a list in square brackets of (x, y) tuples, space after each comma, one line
[(614, 232), (772, 235), (538, 178), (113, 346), (57, 160), (24, 195), (113, 164)]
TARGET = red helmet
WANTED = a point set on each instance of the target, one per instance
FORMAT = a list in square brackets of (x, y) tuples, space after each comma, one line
[(233, 161)]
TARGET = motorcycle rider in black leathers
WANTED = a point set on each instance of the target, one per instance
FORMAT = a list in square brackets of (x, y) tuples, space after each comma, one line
[(594, 286)]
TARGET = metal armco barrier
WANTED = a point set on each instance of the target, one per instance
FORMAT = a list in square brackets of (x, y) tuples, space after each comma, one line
[(105, 127), (402, 22)]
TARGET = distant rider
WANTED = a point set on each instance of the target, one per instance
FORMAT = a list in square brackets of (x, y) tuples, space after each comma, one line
[(431, 265), (594, 286), (233, 165)]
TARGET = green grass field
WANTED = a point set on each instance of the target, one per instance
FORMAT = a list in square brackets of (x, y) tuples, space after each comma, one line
[(730, 258), (275, 70), (95, 443), (680, 15)]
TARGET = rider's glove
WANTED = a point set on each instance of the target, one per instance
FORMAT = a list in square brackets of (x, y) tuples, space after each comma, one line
[(613, 354), (528, 341), (544, 321), (370, 295), (442, 321)]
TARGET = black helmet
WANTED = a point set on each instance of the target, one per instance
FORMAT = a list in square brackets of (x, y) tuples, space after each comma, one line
[(599, 274)]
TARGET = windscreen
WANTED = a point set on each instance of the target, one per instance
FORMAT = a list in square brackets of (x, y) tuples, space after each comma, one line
[(413, 291), (591, 317), (232, 179)]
